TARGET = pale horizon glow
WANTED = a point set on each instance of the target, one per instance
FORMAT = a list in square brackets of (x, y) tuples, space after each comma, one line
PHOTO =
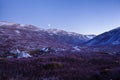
[(80, 16)]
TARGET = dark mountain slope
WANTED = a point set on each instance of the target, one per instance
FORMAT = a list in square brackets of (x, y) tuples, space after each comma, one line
[(108, 38)]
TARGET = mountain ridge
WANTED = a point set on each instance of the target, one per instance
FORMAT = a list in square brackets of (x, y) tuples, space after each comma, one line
[(17, 36)]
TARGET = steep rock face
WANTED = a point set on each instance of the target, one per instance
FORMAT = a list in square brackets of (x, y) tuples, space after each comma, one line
[(108, 38)]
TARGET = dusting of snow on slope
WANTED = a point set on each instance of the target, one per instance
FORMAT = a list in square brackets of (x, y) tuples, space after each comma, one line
[(90, 36), (54, 31), (76, 48)]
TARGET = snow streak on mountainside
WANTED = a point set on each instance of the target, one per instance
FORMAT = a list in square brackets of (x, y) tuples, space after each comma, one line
[(108, 38)]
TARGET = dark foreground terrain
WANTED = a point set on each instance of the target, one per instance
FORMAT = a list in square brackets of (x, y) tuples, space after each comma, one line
[(98, 66)]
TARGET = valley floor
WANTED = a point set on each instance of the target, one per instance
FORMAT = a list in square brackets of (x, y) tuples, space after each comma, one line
[(70, 67)]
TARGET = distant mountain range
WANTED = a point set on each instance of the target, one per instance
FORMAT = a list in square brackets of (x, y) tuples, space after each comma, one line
[(26, 37)]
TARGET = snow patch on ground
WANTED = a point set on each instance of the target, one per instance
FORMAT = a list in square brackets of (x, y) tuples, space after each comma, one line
[(20, 54), (17, 31), (45, 49), (15, 51), (23, 55)]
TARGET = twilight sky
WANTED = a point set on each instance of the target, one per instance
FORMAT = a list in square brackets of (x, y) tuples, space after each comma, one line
[(81, 16)]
